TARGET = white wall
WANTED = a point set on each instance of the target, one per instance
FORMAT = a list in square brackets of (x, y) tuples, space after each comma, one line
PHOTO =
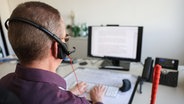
[(162, 20)]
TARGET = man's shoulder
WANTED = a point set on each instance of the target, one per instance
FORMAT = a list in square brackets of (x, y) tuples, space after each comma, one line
[(7, 78)]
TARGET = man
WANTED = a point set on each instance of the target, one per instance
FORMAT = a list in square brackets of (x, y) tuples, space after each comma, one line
[(37, 34)]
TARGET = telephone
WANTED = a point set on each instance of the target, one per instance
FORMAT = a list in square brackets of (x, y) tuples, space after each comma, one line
[(147, 72), (169, 72), (148, 69)]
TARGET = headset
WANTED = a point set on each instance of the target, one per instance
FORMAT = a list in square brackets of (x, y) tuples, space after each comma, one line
[(62, 47)]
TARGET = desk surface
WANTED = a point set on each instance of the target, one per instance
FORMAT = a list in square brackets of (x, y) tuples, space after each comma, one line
[(165, 95)]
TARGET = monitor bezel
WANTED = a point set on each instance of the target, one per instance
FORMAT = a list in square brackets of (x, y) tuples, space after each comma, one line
[(139, 45)]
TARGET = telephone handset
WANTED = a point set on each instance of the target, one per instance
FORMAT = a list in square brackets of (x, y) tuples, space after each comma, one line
[(147, 72), (148, 69)]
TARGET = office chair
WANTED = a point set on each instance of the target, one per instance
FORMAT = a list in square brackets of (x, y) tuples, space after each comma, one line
[(7, 97)]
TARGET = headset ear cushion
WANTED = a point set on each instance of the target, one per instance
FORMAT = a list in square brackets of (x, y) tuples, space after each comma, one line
[(61, 53)]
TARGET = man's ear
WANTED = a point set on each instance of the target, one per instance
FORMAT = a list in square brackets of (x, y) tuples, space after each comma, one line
[(54, 48)]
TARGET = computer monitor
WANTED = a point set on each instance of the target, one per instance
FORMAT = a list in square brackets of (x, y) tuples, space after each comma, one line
[(3, 43), (118, 45)]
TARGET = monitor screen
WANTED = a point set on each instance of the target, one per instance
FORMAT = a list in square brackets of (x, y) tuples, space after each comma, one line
[(115, 42), (3, 43)]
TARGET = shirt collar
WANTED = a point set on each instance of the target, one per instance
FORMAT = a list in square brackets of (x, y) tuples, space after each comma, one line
[(39, 75)]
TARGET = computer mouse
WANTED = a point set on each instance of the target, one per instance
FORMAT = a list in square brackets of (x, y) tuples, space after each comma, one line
[(83, 63), (125, 86)]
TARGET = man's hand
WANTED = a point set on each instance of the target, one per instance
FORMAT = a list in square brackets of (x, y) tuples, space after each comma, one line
[(79, 88), (97, 93)]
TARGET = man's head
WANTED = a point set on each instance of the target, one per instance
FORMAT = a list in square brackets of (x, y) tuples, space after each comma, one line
[(28, 42)]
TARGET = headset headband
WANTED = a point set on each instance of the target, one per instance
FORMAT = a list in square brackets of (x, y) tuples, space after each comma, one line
[(53, 36)]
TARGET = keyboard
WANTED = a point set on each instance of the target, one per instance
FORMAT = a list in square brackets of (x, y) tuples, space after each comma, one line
[(109, 90)]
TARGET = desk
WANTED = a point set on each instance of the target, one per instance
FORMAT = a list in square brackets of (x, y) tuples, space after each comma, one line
[(165, 95)]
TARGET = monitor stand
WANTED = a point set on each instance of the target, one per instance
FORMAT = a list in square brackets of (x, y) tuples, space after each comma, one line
[(115, 65)]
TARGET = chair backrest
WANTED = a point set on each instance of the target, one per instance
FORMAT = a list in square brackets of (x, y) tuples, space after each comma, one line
[(7, 97)]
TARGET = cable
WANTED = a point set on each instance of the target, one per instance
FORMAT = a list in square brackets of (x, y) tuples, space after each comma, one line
[(76, 78)]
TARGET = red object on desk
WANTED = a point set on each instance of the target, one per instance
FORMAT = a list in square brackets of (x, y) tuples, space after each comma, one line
[(155, 83)]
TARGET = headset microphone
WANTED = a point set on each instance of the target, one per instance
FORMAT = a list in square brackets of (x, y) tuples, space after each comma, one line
[(74, 49)]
